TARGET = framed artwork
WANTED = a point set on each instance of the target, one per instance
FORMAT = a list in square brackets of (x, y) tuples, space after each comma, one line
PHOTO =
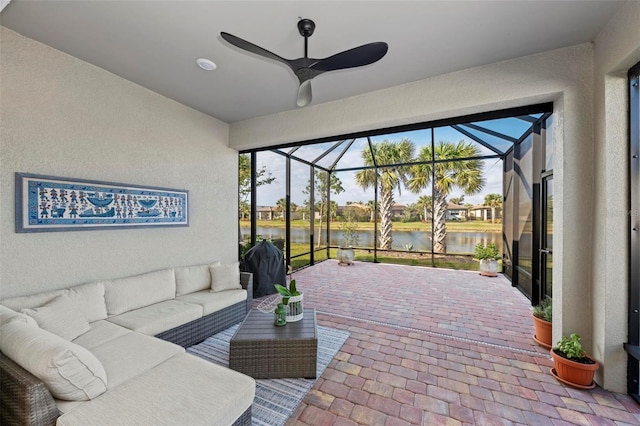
[(49, 203)]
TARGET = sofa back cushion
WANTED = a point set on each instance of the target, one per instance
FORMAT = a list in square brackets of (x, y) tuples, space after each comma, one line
[(225, 277), (87, 298), (127, 294), (69, 371), (190, 279), (60, 317)]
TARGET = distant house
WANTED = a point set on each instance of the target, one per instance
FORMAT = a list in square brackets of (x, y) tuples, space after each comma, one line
[(272, 213), (266, 213), (398, 210), (456, 212), (481, 212)]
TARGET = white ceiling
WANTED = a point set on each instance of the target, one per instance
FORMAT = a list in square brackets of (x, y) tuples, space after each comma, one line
[(155, 43)]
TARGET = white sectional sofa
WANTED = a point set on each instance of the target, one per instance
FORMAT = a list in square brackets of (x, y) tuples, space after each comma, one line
[(112, 352)]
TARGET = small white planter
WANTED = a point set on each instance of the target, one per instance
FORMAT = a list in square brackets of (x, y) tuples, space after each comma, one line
[(489, 267), (294, 308), (346, 255)]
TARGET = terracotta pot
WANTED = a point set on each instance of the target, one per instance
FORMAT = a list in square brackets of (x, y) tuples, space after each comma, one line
[(572, 372), (542, 332)]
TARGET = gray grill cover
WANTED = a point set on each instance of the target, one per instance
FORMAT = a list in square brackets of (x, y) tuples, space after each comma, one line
[(266, 262)]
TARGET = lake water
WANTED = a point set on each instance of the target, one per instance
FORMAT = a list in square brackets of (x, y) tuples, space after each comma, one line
[(457, 242)]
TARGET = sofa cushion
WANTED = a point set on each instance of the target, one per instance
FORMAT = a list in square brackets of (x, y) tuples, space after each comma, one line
[(192, 392), (101, 332), (127, 294), (225, 277), (190, 279), (69, 371), (155, 319), (132, 354), (88, 298), (213, 302), (60, 317), (7, 315)]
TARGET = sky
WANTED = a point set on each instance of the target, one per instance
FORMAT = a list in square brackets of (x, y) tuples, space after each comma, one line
[(275, 165), (269, 194)]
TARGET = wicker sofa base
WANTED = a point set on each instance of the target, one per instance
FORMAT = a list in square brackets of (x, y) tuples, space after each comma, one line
[(244, 419), (197, 330), (24, 399)]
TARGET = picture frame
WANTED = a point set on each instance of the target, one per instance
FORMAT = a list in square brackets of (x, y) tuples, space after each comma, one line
[(51, 203)]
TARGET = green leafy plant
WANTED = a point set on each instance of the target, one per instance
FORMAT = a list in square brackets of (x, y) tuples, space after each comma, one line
[(349, 230), (286, 293), (544, 310), (490, 251), (571, 347)]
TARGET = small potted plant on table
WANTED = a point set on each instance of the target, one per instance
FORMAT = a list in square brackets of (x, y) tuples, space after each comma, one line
[(292, 301), (542, 318), (488, 256), (572, 365)]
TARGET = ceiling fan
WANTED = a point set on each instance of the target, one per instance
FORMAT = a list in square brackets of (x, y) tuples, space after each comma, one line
[(307, 68)]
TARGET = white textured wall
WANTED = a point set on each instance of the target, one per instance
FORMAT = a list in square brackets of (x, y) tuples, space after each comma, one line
[(564, 76), (617, 48), (63, 117)]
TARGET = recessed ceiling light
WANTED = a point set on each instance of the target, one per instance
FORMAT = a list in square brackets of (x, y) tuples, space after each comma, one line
[(206, 64)]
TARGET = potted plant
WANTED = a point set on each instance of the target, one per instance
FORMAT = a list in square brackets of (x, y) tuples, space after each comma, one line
[(292, 301), (488, 256), (350, 237), (572, 365), (542, 318)]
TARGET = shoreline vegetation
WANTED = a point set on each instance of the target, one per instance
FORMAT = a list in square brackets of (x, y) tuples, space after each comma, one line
[(300, 252), (452, 226)]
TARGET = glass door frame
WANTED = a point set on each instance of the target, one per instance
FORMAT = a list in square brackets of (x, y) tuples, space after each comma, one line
[(528, 282), (633, 339), (544, 250)]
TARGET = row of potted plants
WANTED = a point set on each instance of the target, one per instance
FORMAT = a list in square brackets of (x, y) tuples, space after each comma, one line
[(572, 365)]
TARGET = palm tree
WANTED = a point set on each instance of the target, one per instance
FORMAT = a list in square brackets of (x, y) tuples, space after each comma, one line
[(371, 210), (457, 200), (424, 203), (464, 174), (281, 207), (493, 200), (388, 154)]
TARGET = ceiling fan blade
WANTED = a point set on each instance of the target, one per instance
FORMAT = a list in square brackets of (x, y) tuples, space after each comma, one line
[(356, 57), (304, 93), (250, 47)]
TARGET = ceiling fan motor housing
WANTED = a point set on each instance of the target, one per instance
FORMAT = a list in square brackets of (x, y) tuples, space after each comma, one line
[(306, 27)]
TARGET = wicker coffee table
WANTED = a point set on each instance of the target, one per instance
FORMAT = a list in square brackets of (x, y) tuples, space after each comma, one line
[(263, 351)]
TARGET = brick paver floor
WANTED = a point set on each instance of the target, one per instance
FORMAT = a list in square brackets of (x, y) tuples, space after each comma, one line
[(438, 347)]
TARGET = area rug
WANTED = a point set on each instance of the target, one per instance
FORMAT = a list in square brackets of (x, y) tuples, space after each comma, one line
[(276, 399)]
